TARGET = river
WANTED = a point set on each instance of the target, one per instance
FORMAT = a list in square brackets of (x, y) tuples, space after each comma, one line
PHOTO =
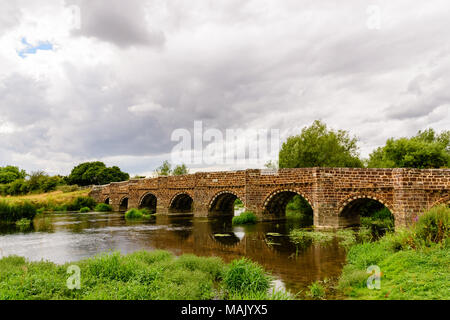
[(68, 237)]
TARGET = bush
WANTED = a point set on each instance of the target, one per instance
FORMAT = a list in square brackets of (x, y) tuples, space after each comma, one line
[(434, 225), (245, 277), (134, 214), (103, 207), (85, 210), (81, 202), (246, 217)]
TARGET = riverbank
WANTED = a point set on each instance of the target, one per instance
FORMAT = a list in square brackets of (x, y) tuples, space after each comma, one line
[(413, 263), (48, 199), (156, 275)]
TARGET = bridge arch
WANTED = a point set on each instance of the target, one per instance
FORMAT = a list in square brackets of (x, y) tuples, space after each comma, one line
[(275, 202), (222, 203), (182, 202), (148, 201), (123, 204), (349, 209), (107, 200)]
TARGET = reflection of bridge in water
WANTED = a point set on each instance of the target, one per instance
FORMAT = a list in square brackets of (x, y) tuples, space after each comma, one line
[(335, 194), (276, 253)]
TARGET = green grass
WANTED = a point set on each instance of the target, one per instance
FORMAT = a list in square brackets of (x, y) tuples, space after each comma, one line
[(85, 210), (316, 290), (246, 217), (244, 278), (138, 276), (414, 262), (303, 239)]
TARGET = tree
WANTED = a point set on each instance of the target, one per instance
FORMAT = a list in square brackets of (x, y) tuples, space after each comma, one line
[(164, 169), (90, 173), (425, 150), (10, 173), (272, 165), (318, 146), (180, 170)]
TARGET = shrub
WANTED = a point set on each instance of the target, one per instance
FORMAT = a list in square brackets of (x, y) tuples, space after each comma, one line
[(434, 225), (81, 202), (246, 217), (103, 207), (134, 214), (85, 210)]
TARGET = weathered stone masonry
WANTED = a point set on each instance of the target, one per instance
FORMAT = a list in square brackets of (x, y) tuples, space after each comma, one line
[(333, 193)]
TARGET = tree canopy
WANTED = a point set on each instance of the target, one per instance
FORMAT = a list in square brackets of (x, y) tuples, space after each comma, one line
[(9, 174), (166, 169), (180, 170), (97, 173), (425, 150), (318, 146)]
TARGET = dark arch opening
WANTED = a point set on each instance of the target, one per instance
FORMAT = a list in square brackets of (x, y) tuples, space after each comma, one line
[(182, 203), (224, 204), (123, 204), (290, 203), (149, 202), (367, 212), (107, 201)]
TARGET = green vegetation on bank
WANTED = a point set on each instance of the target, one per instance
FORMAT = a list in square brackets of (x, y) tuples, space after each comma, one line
[(246, 217), (13, 209), (103, 207), (138, 276), (15, 182), (414, 262), (13, 212)]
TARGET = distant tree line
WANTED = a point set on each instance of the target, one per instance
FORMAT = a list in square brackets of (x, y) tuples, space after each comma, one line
[(14, 181)]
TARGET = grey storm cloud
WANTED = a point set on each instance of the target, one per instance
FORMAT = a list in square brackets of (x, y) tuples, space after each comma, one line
[(231, 64), (122, 24)]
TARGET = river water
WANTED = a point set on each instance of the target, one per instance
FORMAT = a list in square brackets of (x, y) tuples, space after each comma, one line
[(69, 237)]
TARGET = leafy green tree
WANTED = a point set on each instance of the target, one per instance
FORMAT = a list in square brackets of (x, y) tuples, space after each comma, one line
[(89, 173), (165, 169), (114, 174), (318, 146), (180, 170), (10, 173), (425, 150)]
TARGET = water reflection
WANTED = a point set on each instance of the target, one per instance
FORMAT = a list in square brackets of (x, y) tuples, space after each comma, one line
[(70, 237)]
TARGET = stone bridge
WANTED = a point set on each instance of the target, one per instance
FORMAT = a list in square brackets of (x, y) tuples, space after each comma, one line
[(335, 194)]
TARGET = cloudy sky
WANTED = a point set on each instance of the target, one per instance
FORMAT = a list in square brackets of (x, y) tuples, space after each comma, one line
[(84, 80)]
